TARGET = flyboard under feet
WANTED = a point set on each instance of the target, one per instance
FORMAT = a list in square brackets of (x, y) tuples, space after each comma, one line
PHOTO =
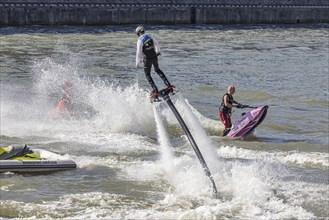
[(164, 94)]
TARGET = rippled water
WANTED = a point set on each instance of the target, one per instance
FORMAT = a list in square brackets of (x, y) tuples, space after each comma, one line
[(126, 169)]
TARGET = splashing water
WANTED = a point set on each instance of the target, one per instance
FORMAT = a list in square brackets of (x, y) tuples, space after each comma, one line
[(206, 146), (163, 138), (166, 152)]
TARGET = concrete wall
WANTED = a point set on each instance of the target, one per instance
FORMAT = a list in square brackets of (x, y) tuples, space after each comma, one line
[(103, 12)]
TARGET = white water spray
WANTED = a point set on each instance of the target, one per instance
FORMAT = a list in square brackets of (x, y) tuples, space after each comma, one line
[(206, 146), (181, 172), (166, 152)]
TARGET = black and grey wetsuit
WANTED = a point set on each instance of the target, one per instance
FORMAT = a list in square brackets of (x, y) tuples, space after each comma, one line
[(148, 47), (150, 58), (224, 108)]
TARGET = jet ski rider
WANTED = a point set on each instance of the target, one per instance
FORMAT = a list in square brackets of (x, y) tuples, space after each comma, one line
[(149, 49), (64, 106), (225, 109)]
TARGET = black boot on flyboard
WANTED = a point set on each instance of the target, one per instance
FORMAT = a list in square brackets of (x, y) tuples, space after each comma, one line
[(156, 94)]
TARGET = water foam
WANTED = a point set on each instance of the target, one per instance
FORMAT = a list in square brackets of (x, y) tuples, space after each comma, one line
[(304, 159)]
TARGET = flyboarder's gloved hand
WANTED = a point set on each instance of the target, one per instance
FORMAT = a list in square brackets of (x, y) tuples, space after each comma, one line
[(158, 54), (239, 106)]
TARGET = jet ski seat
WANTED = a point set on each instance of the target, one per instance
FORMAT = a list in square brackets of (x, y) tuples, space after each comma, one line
[(17, 153)]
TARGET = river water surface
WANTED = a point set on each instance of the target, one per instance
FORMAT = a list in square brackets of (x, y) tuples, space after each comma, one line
[(134, 161)]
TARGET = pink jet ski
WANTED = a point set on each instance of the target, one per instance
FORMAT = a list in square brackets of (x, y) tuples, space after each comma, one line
[(247, 123)]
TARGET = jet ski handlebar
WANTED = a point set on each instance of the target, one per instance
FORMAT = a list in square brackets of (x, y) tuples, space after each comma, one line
[(245, 106)]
